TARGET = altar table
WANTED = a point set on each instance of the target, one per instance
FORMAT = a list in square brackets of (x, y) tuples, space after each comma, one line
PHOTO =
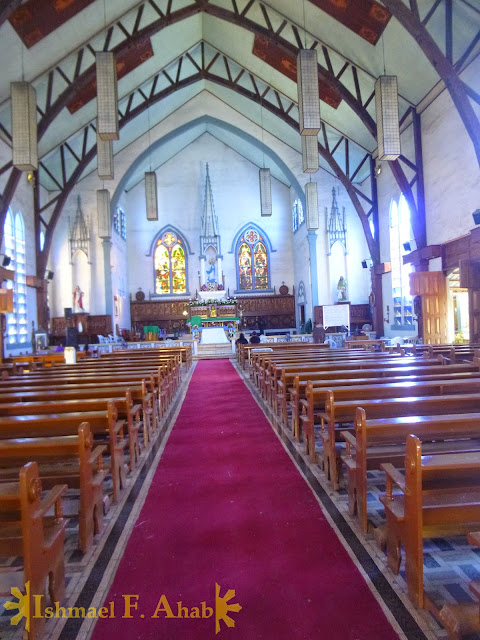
[(213, 335)]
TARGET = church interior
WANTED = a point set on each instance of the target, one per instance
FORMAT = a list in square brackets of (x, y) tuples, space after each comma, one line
[(240, 319)]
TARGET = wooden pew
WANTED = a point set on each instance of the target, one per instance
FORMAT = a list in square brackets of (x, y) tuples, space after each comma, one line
[(36, 537), (67, 460), (339, 414), (383, 440), (103, 424), (243, 350), (313, 407), (263, 363), (297, 391), (184, 353), (126, 409), (268, 371), (164, 379), (143, 393), (347, 370), (439, 495)]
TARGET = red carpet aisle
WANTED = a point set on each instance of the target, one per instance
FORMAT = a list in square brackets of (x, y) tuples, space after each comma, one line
[(228, 506)]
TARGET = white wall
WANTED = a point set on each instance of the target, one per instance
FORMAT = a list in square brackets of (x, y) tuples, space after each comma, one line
[(451, 177), (181, 187)]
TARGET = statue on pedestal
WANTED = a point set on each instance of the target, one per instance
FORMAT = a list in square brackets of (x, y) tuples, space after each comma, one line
[(78, 300), (342, 290)]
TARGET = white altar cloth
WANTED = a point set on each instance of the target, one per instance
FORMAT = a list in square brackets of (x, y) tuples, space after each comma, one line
[(213, 335)]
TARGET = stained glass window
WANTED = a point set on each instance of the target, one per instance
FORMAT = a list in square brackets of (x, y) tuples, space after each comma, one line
[(170, 265), (14, 235), (252, 262)]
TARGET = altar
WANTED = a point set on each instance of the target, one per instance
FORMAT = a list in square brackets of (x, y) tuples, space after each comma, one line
[(214, 335)]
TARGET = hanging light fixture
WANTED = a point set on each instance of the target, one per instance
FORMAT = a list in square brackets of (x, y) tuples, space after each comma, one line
[(151, 199), (307, 87), (311, 197), (388, 126), (264, 179), (107, 98), (309, 153), (104, 159), (24, 126), (265, 192), (103, 213)]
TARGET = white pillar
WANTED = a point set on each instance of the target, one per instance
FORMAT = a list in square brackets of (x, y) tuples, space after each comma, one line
[(203, 275), (219, 270)]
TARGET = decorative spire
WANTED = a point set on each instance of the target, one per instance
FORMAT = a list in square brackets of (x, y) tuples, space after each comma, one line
[(336, 223), (79, 234), (209, 219)]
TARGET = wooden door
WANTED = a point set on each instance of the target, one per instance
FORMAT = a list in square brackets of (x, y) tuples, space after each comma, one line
[(432, 287), (470, 279)]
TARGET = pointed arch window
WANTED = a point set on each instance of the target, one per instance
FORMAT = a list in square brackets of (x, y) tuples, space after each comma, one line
[(400, 233), (298, 217), (252, 262), (170, 265), (120, 222), (14, 234)]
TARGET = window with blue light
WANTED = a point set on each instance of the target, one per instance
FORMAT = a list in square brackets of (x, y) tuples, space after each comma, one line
[(14, 237), (400, 233)]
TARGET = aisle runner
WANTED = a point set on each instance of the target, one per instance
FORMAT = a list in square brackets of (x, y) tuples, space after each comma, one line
[(228, 507)]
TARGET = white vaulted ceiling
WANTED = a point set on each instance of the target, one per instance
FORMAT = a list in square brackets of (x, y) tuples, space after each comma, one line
[(218, 36)]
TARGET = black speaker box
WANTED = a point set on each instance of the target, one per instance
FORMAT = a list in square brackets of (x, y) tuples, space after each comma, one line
[(72, 337)]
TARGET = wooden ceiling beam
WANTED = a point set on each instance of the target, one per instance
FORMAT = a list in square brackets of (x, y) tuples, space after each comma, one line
[(443, 67)]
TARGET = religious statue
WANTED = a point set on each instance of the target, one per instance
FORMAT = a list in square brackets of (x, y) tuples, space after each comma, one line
[(213, 311), (78, 300), (195, 331), (211, 278), (342, 290)]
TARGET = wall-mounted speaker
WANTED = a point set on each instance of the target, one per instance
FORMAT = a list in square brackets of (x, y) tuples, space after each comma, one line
[(407, 246), (476, 216), (50, 275), (364, 264), (68, 312), (6, 261)]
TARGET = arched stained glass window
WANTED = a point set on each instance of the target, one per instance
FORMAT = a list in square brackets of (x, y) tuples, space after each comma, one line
[(252, 262), (170, 265), (14, 235)]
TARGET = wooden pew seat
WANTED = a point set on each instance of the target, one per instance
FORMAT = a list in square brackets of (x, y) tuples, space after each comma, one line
[(35, 536), (439, 495), (69, 460)]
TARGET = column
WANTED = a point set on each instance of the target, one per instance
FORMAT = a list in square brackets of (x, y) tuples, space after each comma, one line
[(107, 248), (203, 275), (219, 270), (312, 243)]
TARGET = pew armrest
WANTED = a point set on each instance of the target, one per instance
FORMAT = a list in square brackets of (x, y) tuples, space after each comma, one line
[(97, 453), (134, 410), (394, 476), (350, 440), (50, 499)]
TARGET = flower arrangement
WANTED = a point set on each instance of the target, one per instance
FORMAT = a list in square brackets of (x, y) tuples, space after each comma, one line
[(204, 303)]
